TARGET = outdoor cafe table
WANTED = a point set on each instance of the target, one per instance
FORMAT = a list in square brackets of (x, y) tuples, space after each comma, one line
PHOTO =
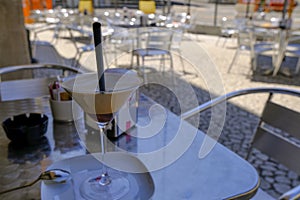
[(222, 174)]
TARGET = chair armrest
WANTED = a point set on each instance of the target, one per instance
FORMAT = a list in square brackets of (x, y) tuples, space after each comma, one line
[(16, 68), (237, 93), (292, 194), (29, 88)]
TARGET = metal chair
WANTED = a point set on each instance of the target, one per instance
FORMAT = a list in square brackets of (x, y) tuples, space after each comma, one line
[(282, 147), (286, 150), (20, 82), (247, 42), (157, 46), (266, 138)]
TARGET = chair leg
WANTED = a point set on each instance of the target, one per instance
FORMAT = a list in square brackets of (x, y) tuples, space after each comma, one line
[(74, 61), (297, 66), (182, 62), (162, 64), (233, 60), (248, 153), (56, 33), (78, 59), (172, 69), (138, 61), (131, 60), (115, 56), (254, 62), (105, 59), (144, 71), (138, 66)]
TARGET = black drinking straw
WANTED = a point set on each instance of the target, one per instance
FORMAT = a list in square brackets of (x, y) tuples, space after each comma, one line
[(99, 54)]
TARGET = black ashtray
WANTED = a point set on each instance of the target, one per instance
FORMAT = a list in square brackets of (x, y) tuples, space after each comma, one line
[(26, 128)]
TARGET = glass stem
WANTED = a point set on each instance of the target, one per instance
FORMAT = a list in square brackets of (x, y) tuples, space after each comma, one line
[(104, 178), (103, 142)]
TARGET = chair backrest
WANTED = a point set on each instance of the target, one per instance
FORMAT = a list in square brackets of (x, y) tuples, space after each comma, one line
[(177, 38), (159, 39), (227, 24), (245, 38), (278, 134), (16, 88), (123, 39)]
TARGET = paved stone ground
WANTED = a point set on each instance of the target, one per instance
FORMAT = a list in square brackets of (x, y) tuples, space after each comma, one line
[(202, 57)]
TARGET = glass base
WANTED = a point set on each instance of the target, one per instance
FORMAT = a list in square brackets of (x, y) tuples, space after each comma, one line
[(117, 188)]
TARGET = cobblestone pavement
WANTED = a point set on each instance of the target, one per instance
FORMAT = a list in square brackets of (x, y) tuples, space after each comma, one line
[(242, 113)]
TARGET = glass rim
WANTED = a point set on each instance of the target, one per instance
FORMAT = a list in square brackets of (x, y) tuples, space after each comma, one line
[(97, 91)]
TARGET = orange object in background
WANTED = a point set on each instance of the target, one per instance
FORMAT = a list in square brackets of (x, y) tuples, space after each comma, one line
[(26, 11), (291, 7), (36, 5), (276, 5), (49, 4), (29, 5), (40, 4)]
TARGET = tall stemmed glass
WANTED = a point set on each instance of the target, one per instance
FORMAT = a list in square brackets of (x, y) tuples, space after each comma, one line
[(102, 106), (101, 95)]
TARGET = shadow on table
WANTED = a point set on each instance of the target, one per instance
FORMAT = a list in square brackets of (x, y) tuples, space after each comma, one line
[(29, 153), (66, 137)]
